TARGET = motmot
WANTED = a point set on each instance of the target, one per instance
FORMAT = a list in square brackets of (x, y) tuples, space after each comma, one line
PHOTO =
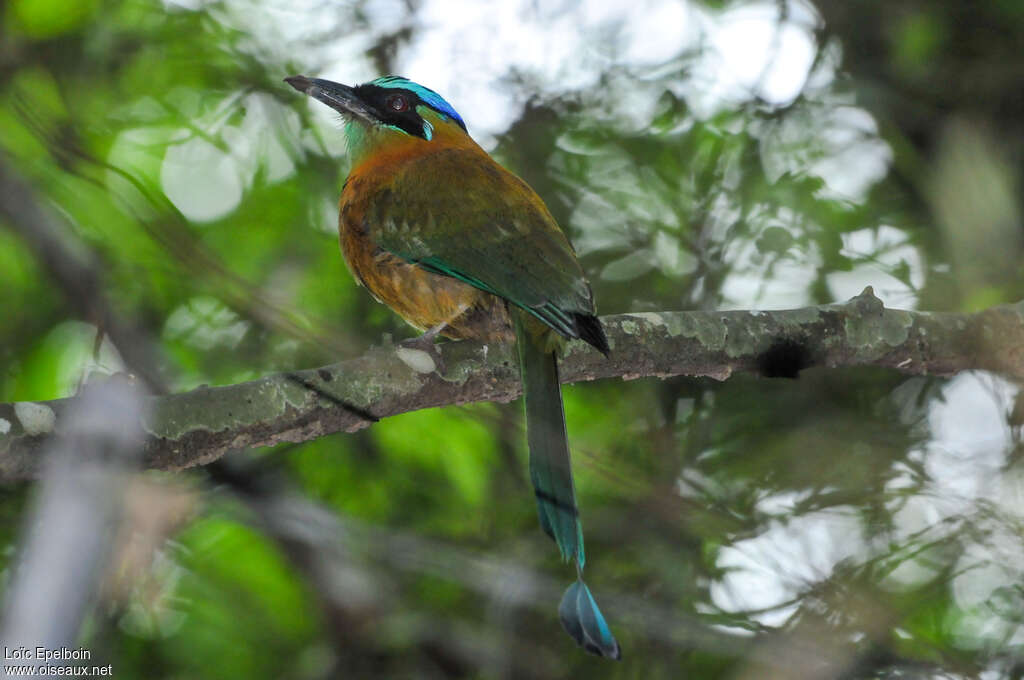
[(457, 245)]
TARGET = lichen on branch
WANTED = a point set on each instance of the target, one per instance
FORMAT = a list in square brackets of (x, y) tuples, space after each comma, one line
[(196, 427)]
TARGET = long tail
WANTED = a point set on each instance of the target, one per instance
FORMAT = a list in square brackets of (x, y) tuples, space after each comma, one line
[(553, 486)]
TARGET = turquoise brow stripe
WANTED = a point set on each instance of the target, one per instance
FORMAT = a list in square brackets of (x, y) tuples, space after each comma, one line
[(428, 96)]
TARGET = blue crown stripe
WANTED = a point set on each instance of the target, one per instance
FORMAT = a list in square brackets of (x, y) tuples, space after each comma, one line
[(426, 95)]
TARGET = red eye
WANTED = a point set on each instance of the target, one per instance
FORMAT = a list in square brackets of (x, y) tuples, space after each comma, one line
[(397, 103)]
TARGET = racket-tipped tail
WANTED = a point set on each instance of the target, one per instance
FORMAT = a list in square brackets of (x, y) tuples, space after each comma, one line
[(584, 622)]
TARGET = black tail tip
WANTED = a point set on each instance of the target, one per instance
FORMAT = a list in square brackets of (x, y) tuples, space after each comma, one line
[(591, 331)]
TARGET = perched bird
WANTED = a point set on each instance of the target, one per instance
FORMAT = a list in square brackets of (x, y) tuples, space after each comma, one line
[(457, 245)]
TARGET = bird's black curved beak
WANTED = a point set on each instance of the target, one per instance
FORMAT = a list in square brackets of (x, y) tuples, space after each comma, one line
[(341, 98)]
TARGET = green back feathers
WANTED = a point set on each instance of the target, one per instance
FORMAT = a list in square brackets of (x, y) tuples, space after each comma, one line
[(494, 233)]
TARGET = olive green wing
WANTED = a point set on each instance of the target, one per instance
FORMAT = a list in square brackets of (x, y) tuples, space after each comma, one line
[(458, 213)]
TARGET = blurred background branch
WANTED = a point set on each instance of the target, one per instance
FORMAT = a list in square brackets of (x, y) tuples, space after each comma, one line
[(74, 271), (71, 528)]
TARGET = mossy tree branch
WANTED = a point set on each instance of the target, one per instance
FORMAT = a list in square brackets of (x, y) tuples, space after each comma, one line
[(196, 427)]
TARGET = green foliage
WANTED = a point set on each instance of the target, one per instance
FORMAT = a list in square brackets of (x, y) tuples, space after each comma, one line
[(874, 515), (41, 19)]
